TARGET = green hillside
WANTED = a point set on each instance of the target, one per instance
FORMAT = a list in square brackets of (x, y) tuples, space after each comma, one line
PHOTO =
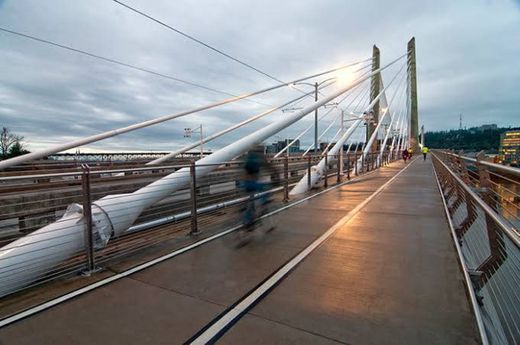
[(470, 140)]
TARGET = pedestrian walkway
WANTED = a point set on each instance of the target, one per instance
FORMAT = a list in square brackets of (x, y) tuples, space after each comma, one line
[(389, 275)]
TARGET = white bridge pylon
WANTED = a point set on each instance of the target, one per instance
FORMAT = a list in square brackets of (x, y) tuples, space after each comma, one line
[(114, 214)]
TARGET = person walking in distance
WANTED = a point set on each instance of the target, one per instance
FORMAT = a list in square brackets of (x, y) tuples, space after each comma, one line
[(410, 153), (405, 155), (425, 150)]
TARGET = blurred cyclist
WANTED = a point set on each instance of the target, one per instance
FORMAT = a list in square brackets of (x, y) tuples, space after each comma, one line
[(255, 166)]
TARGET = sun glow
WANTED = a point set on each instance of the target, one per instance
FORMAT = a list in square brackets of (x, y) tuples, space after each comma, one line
[(346, 77)]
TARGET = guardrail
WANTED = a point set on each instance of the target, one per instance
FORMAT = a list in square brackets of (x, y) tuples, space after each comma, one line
[(483, 203), (209, 203)]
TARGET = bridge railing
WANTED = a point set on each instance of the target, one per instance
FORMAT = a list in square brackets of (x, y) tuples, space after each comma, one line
[(204, 206), (483, 203)]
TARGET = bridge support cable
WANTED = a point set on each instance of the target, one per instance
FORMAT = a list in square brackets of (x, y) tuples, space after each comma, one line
[(114, 214), (302, 133), (386, 111), (396, 140), (115, 132), (361, 101), (402, 131), (229, 129), (317, 171), (392, 120), (395, 136), (370, 141), (326, 149), (320, 118)]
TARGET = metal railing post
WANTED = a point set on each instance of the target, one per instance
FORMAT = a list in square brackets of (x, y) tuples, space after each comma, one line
[(309, 163), (286, 179), (325, 170), (193, 194), (348, 167), (338, 173), (497, 254), (355, 164), (87, 214), (362, 163)]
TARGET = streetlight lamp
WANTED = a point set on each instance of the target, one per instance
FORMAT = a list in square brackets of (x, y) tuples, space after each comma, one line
[(188, 132), (316, 88)]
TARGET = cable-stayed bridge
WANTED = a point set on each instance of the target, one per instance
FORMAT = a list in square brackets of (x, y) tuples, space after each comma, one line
[(367, 249)]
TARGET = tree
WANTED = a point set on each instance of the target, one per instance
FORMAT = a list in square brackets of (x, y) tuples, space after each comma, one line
[(17, 149), (10, 144)]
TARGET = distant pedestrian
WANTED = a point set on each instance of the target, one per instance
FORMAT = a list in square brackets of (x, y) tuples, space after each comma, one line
[(405, 155), (410, 153), (425, 150)]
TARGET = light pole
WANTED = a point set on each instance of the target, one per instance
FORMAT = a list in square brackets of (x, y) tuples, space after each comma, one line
[(188, 132), (316, 88)]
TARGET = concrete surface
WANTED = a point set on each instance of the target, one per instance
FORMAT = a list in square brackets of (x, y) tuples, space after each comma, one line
[(389, 276)]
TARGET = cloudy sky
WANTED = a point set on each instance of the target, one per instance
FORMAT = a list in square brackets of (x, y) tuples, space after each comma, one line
[(468, 60)]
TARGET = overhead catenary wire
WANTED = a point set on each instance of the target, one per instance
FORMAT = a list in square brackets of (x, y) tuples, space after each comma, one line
[(120, 63), (302, 133), (111, 133), (194, 39), (361, 101), (229, 129)]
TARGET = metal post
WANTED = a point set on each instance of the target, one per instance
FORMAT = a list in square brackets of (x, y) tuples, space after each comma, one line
[(201, 143), (338, 172), (340, 161), (87, 214), (316, 119), (348, 167), (325, 170), (286, 178), (193, 195), (309, 163), (356, 164)]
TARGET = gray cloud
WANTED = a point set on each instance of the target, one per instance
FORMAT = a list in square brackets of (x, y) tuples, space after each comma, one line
[(467, 55)]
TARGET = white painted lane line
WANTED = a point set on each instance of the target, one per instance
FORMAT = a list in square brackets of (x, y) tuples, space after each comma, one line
[(218, 327), (49, 304)]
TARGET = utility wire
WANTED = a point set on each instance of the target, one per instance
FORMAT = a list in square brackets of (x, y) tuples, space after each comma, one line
[(196, 40), (203, 43), (134, 67)]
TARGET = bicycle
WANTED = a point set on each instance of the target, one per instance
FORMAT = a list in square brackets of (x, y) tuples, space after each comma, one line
[(251, 219)]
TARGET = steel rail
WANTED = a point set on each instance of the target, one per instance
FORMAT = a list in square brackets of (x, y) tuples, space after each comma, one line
[(499, 167), (467, 278), (508, 230)]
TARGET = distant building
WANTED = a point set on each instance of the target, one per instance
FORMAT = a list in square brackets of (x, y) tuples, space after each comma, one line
[(487, 127), (510, 148), (280, 144)]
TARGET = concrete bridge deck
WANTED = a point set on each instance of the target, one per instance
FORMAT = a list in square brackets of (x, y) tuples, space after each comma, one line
[(387, 275)]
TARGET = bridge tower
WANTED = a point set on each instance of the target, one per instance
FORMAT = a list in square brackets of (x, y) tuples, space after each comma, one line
[(412, 94), (375, 83)]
